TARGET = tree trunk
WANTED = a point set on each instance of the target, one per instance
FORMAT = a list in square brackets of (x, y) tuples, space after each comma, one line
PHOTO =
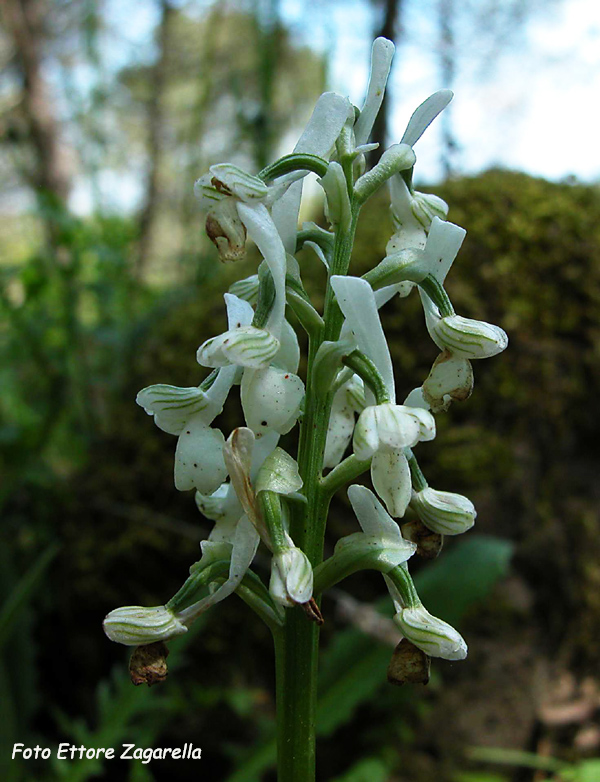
[(448, 74), (156, 118), (51, 175)]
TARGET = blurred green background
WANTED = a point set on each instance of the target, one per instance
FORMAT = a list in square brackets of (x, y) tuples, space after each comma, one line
[(101, 296)]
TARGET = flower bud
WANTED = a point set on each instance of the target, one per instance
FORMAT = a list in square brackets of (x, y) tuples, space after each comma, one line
[(434, 636), (291, 577), (450, 379), (226, 231), (338, 201), (138, 625), (397, 158), (390, 426), (409, 665), (467, 338), (443, 511)]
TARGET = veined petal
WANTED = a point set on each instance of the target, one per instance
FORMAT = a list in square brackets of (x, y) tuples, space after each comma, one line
[(357, 302), (423, 115), (435, 637), (172, 406), (381, 62), (238, 182), (247, 346), (279, 473), (271, 399), (139, 625), (390, 474), (246, 289), (443, 511), (263, 232), (467, 338), (372, 551), (199, 457), (206, 193)]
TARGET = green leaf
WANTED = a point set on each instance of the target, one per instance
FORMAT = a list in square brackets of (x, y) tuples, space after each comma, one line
[(23, 592), (463, 576), (368, 770)]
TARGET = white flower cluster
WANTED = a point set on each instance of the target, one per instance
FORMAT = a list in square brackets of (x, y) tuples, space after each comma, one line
[(247, 483)]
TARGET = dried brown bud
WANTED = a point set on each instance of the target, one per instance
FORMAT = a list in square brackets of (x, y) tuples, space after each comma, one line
[(148, 664), (226, 231), (409, 665), (429, 544)]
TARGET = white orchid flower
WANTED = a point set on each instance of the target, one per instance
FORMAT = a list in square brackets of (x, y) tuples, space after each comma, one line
[(384, 430), (412, 211), (443, 511), (188, 413)]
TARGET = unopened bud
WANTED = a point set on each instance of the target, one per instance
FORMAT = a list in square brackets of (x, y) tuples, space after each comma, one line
[(409, 665), (291, 577), (467, 338), (138, 625), (432, 635), (443, 511), (226, 231), (450, 379)]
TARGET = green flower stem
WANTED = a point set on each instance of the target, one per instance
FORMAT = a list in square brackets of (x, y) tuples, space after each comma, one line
[(418, 479), (366, 369), (294, 162), (270, 508), (297, 647), (340, 566), (325, 239), (436, 292), (400, 578), (344, 473)]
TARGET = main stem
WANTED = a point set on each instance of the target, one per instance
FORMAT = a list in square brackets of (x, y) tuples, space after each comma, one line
[(297, 647)]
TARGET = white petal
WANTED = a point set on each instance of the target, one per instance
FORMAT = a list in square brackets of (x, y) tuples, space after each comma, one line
[(341, 426), (435, 637), (288, 357), (443, 243), (357, 302), (239, 311), (285, 212), (365, 441), (424, 115), (381, 62), (263, 232), (324, 126), (221, 505), (247, 346), (390, 474), (271, 399), (199, 458), (372, 516), (245, 186)]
